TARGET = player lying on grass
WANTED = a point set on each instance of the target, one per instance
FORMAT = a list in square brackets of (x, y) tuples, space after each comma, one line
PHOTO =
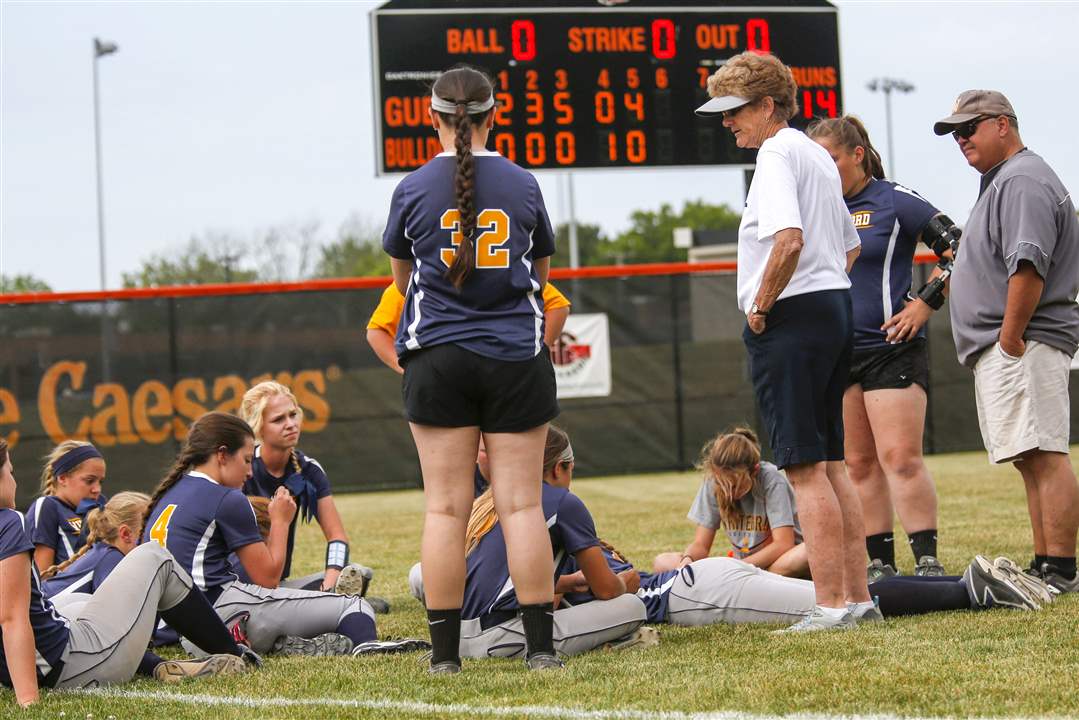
[(275, 416), (70, 486), (199, 514), (491, 626), (752, 500), (105, 641), (382, 327)]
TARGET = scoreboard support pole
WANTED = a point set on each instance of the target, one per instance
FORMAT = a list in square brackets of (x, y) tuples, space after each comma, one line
[(574, 250)]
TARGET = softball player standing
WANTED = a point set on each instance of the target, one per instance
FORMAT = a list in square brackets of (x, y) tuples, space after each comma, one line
[(470, 245)]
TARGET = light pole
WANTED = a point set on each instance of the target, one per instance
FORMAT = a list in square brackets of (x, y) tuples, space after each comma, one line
[(886, 85), (101, 48)]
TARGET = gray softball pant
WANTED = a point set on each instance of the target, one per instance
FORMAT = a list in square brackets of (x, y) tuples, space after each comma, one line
[(725, 590), (109, 632)]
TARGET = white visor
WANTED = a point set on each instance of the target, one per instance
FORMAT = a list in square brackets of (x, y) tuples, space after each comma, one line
[(717, 105)]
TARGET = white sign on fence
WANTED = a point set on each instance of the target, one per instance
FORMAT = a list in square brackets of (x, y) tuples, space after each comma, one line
[(582, 357)]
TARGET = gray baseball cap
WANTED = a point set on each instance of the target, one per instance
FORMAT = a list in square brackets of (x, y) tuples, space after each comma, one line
[(715, 106), (974, 103)]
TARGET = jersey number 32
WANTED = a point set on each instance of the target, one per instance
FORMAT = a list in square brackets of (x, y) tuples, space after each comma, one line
[(495, 227)]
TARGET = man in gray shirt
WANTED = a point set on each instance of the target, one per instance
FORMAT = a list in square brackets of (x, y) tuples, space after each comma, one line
[(1015, 319)]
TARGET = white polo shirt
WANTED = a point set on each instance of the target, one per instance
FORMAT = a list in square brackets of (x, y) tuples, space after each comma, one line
[(796, 185)]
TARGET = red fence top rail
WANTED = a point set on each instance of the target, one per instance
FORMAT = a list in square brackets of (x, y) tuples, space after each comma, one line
[(602, 271)]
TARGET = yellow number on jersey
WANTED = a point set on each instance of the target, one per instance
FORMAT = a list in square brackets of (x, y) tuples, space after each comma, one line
[(495, 225), (160, 531)]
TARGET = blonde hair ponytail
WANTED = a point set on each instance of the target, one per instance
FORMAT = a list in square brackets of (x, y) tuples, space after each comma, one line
[(731, 461), (124, 509)]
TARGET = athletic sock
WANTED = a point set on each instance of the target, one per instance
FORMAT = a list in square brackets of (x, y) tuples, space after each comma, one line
[(538, 623), (445, 629), (195, 618), (148, 663), (1038, 561), (834, 613), (358, 627), (923, 542), (1064, 566), (881, 547)]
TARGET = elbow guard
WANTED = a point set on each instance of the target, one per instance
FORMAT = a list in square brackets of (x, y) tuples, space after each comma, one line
[(941, 235), (932, 293)]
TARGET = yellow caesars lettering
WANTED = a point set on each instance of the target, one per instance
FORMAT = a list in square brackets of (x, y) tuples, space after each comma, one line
[(9, 415), (117, 411), (47, 393), (185, 406), (309, 387), (152, 399), (236, 387)]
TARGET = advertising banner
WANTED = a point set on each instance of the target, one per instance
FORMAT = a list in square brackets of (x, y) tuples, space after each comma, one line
[(582, 357)]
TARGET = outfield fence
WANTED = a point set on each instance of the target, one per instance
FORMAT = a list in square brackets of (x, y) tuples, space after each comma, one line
[(129, 369)]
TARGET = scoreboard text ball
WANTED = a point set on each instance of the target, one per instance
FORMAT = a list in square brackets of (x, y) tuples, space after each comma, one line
[(592, 87)]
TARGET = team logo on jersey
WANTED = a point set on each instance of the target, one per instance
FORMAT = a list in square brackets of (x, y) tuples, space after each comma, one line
[(862, 219), (569, 355), (75, 523)]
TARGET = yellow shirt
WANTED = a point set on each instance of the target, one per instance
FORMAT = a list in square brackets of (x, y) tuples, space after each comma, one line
[(388, 313)]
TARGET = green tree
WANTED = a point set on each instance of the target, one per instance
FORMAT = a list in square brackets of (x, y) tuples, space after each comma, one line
[(650, 235), (213, 259), (357, 252), (592, 246), (22, 284)]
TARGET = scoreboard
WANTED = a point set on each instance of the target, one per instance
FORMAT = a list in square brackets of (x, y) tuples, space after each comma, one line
[(610, 83)]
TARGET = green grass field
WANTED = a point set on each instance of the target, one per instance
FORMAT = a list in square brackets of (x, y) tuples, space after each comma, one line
[(997, 663)]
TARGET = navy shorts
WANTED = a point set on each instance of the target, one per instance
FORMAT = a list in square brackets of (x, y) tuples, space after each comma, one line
[(800, 365), (448, 386)]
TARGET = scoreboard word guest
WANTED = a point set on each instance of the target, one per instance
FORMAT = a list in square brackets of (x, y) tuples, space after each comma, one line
[(592, 85)]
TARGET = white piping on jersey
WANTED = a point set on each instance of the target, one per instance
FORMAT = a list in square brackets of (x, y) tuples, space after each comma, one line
[(67, 543), (74, 587), (656, 592), (198, 570), (886, 276), (532, 299), (204, 476), (413, 342), (316, 463), (35, 508)]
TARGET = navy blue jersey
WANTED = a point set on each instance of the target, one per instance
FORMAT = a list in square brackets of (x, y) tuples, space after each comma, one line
[(498, 312), (889, 218), (488, 587), (50, 628), (86, 574), (200, 522), (54, 523), (313, 481), (654, 592)]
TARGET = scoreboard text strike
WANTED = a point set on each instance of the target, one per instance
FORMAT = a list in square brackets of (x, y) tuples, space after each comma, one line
[(592, 89)]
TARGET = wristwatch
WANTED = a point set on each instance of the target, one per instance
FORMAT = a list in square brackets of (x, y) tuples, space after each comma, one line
[(755, 309)]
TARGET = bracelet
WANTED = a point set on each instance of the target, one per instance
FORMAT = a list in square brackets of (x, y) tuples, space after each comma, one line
[(336, 554)]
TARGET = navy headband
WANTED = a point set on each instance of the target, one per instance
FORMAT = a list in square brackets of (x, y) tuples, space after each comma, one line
[(73, 458)]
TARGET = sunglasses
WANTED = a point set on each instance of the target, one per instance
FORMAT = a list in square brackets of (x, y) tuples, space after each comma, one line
[(725, 114), (965, 130)]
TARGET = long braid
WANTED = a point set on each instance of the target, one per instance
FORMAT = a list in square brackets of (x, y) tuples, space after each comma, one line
[(481, 521), (614, 552), (294, 460), (464, 260), (183, 462)]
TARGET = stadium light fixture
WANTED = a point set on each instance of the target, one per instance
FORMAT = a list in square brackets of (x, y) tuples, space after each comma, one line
[(887, 85)]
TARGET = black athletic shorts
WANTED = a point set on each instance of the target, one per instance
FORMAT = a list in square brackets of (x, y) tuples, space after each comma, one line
[(448, 386), (799, 366), (892, 367)]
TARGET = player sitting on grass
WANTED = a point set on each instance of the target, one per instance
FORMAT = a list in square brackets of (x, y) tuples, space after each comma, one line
[(274, 414), (752, 500), (200, 515), (70, 486), (491, 625), (105, 641)]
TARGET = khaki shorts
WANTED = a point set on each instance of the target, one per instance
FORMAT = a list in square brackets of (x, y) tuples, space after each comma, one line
[(1023, 402)]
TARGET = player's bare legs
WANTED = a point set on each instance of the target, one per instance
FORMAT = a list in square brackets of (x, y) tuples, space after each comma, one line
[(447, 460), (1034, 506), (860, 452), (1057, 498), (897, 418), (855, 589), (516, 475), (821, 518)]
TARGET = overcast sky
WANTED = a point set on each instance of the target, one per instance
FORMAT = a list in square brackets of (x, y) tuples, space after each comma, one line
[(236, 117)]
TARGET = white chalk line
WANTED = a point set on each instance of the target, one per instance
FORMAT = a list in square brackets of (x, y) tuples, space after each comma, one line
[(463, 709)]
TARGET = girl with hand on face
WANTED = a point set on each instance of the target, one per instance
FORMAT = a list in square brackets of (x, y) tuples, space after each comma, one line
[(752, 500), (199, 514), (70, 488), (275, 416), (105, 641), (885, 401)]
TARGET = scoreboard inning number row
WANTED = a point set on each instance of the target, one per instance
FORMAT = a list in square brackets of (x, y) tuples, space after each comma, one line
[(615, 88)]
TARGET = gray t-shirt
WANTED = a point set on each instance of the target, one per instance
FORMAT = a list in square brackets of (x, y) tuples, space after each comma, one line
[(1023, 212), (769, 504)]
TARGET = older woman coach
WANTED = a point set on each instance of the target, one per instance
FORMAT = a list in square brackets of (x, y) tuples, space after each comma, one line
[(796, 244)]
